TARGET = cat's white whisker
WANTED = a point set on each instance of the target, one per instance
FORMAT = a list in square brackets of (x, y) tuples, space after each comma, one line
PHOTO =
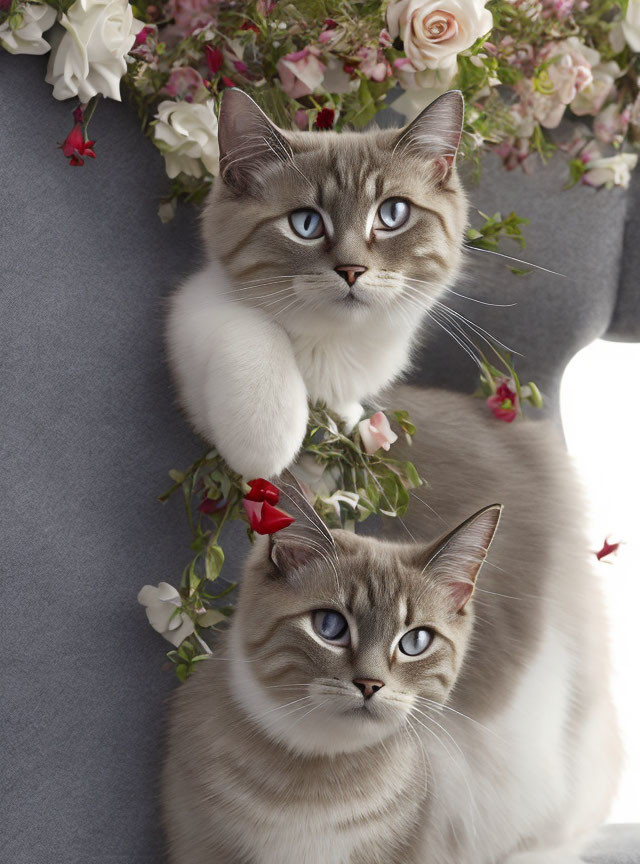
[(518, 260)]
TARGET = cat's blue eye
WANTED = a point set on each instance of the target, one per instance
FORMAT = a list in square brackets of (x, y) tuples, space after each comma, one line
[(307, 224), (394, 212), (331, 625), (415, 641)]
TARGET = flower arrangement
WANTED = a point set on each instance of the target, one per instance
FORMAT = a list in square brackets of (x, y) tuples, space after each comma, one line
[(522, 65)]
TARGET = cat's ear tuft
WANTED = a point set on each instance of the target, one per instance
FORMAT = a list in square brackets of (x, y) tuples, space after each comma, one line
[(458, 557), (248, 141), (307, 540), (436, 132)]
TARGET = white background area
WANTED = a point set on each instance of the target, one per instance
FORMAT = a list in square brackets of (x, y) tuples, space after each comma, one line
[(601, 415)]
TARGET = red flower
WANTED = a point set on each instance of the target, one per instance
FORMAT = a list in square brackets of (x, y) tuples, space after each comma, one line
[(228, 82), (249, 25), (214, 58), (504, 402), (211, 505), (265, 519), (75, 147), (262, 490), (325, 118), (78, 113), (607, 549), (141, 37)]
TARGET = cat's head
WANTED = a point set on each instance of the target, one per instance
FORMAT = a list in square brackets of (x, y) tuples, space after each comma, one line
[(321, 226), (339, 641)]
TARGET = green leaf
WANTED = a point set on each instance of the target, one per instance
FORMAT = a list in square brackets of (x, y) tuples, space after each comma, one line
[(214, 559), (211, 617)]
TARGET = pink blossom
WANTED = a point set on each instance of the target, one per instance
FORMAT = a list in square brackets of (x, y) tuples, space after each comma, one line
[(504, 402), (373, 64), (610, 123), (301, 72), (634, 112), (189, 15), (558, 8), (376, 433), (301, 119), (183, 83), (264, 7), (568, 73)]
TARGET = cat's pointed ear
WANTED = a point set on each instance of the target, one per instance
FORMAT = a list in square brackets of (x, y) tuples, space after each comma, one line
[(436, 132), (457, 558), (307, 539), (248, 140)]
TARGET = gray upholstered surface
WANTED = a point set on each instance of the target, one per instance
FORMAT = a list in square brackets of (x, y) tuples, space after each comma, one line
[(89, 431)]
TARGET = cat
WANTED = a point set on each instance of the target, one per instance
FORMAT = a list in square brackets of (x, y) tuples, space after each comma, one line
[(375, 701), (324, 253)]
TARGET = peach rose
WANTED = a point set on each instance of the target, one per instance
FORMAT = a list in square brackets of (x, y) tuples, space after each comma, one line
[(434, 32)]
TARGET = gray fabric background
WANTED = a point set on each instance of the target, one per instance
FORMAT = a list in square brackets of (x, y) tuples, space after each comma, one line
[(89, 432)]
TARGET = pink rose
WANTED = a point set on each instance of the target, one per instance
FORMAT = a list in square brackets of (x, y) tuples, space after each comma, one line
[(376, 433), (301, 72)]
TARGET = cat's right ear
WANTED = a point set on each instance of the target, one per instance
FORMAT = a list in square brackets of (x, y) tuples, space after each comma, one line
[(457, 558), (436, 131), (308, 539), (248, 141)]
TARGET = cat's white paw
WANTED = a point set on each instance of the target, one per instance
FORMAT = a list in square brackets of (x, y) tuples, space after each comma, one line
[(351, 413)]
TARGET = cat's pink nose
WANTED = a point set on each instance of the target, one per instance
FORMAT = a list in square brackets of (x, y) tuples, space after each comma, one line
[(350, 272), (368, 686)]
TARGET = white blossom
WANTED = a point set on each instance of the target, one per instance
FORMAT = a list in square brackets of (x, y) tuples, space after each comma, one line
[(89, 58), (162, 607), (187, 135), (25, 37)]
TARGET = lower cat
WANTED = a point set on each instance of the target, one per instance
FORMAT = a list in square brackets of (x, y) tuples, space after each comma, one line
[(371, 704)]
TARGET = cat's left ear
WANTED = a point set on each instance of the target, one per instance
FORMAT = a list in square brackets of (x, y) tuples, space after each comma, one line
[(436, 132), (248, 141), (308, 539), (457, 558)]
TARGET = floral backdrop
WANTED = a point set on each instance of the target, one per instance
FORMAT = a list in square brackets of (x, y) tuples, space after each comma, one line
[(522, 65)]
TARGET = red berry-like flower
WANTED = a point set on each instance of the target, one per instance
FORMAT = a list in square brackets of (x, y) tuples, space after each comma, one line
[(262, 490), (325, 118), (504, 402), (75, 147), (214, 58), (607, 549), (265, 519)]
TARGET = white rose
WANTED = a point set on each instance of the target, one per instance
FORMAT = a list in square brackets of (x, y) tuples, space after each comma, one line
[(26, 38), (631, 25), (90, 57), (434, 32), (162, 605), (187, 135), (611, 171)]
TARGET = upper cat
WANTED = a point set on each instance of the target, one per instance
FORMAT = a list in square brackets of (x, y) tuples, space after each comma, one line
[(325, 251)]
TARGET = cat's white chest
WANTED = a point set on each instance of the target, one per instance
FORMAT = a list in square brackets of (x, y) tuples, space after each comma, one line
[(344, 369), (298, 841)]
